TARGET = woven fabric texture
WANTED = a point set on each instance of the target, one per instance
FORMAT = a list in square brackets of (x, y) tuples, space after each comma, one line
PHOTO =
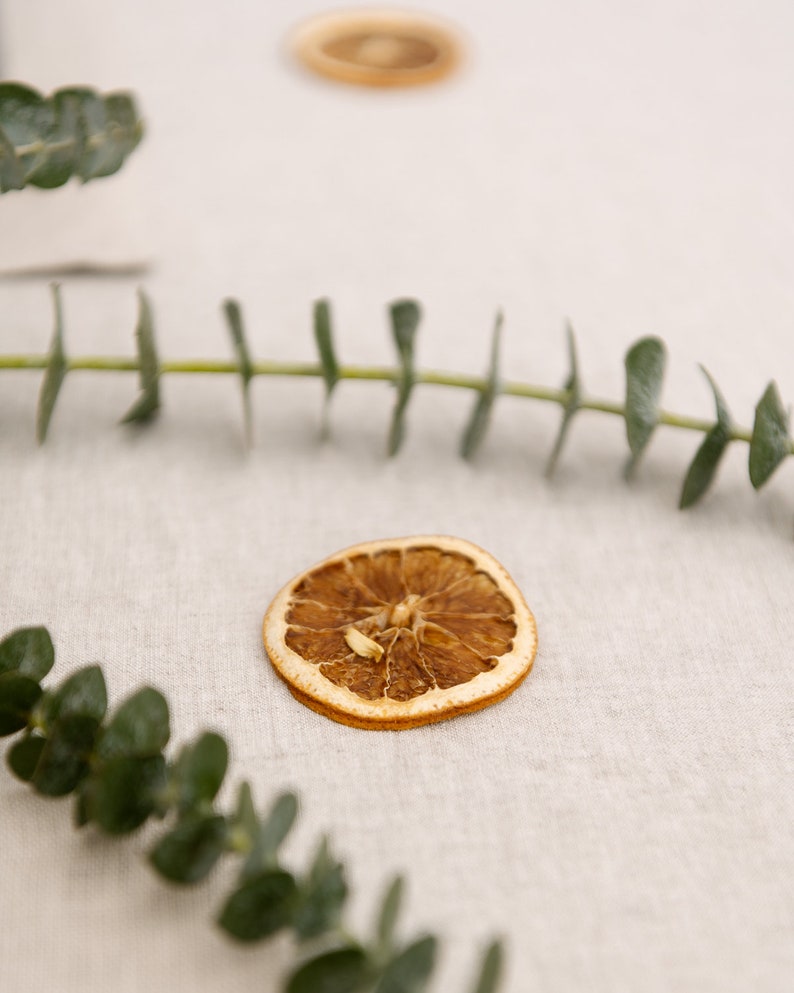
[(623, 819)]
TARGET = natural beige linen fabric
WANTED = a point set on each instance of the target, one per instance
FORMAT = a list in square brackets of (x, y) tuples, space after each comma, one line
[(624, 819)]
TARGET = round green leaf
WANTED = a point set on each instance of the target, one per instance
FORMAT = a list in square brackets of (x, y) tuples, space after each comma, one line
[(18, 696), (188, 853), (84, 692), (24, 755), (28, 123), (66, 143), (201, 769), (409, 971), (260, 907), (122, 794), (28, 651), (344, 970), (322, 895), (64, 759), (139, 728), (11, 175)]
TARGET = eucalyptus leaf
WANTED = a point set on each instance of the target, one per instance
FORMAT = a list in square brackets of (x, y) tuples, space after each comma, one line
[(703, 468), (405, 316), (574, 387), (481, 413), (245, 816), (23, 756), (490, 974), (342, 970), (65, 144), (771, 441), (188, 853), (18, 697), (272, 831), (12, 176), (83, 693), (28, 122), (260, 906), (234, 318), (122, 793), (110, 129), (201, 770), (148, 403), (387, 917), (75, 131), (645, 364), (409, 971), (138, 729), (54, 374), (64, 759), (323, 337), (28, 651), (322, 895)]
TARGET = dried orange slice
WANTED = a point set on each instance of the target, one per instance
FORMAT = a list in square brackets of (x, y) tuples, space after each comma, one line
[(383, 48), (402, 632)]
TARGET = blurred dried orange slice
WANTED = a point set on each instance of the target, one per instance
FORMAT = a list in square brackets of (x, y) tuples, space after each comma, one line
[(377, 47), (402, 632)]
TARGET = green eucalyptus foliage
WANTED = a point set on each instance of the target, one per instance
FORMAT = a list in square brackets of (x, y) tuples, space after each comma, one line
[(28, 651), (323, 338), (770, 440), (18, 696), (115, 766), (572, 403), (321, 895), (645, 362), (234, 318), (405, 316), (260, 906), (44, 141), (54, 373), (410, 969), (475, 431), (704, 466), (342, 970), (491, 968), (148, 403), (189, 851)]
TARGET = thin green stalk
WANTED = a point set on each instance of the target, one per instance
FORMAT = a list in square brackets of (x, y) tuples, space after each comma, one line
[(97, 363)]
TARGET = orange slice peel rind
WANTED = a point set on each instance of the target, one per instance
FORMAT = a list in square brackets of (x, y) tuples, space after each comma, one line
[(401, 632)]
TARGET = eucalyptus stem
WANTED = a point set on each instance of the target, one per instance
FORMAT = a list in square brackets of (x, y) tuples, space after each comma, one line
[(386, 374), (769, 439)]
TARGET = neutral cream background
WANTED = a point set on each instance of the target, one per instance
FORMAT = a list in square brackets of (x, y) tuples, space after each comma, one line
[(625, 818)]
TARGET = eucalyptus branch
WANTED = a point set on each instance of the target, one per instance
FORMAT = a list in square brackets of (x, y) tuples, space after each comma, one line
[(120, 776), (769, 440), (44, 141)]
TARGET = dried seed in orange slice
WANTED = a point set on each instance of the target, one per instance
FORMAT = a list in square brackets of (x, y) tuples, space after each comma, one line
[(397, 633)]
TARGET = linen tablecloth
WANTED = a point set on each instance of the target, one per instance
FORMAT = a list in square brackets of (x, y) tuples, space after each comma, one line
[(624, 818)]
